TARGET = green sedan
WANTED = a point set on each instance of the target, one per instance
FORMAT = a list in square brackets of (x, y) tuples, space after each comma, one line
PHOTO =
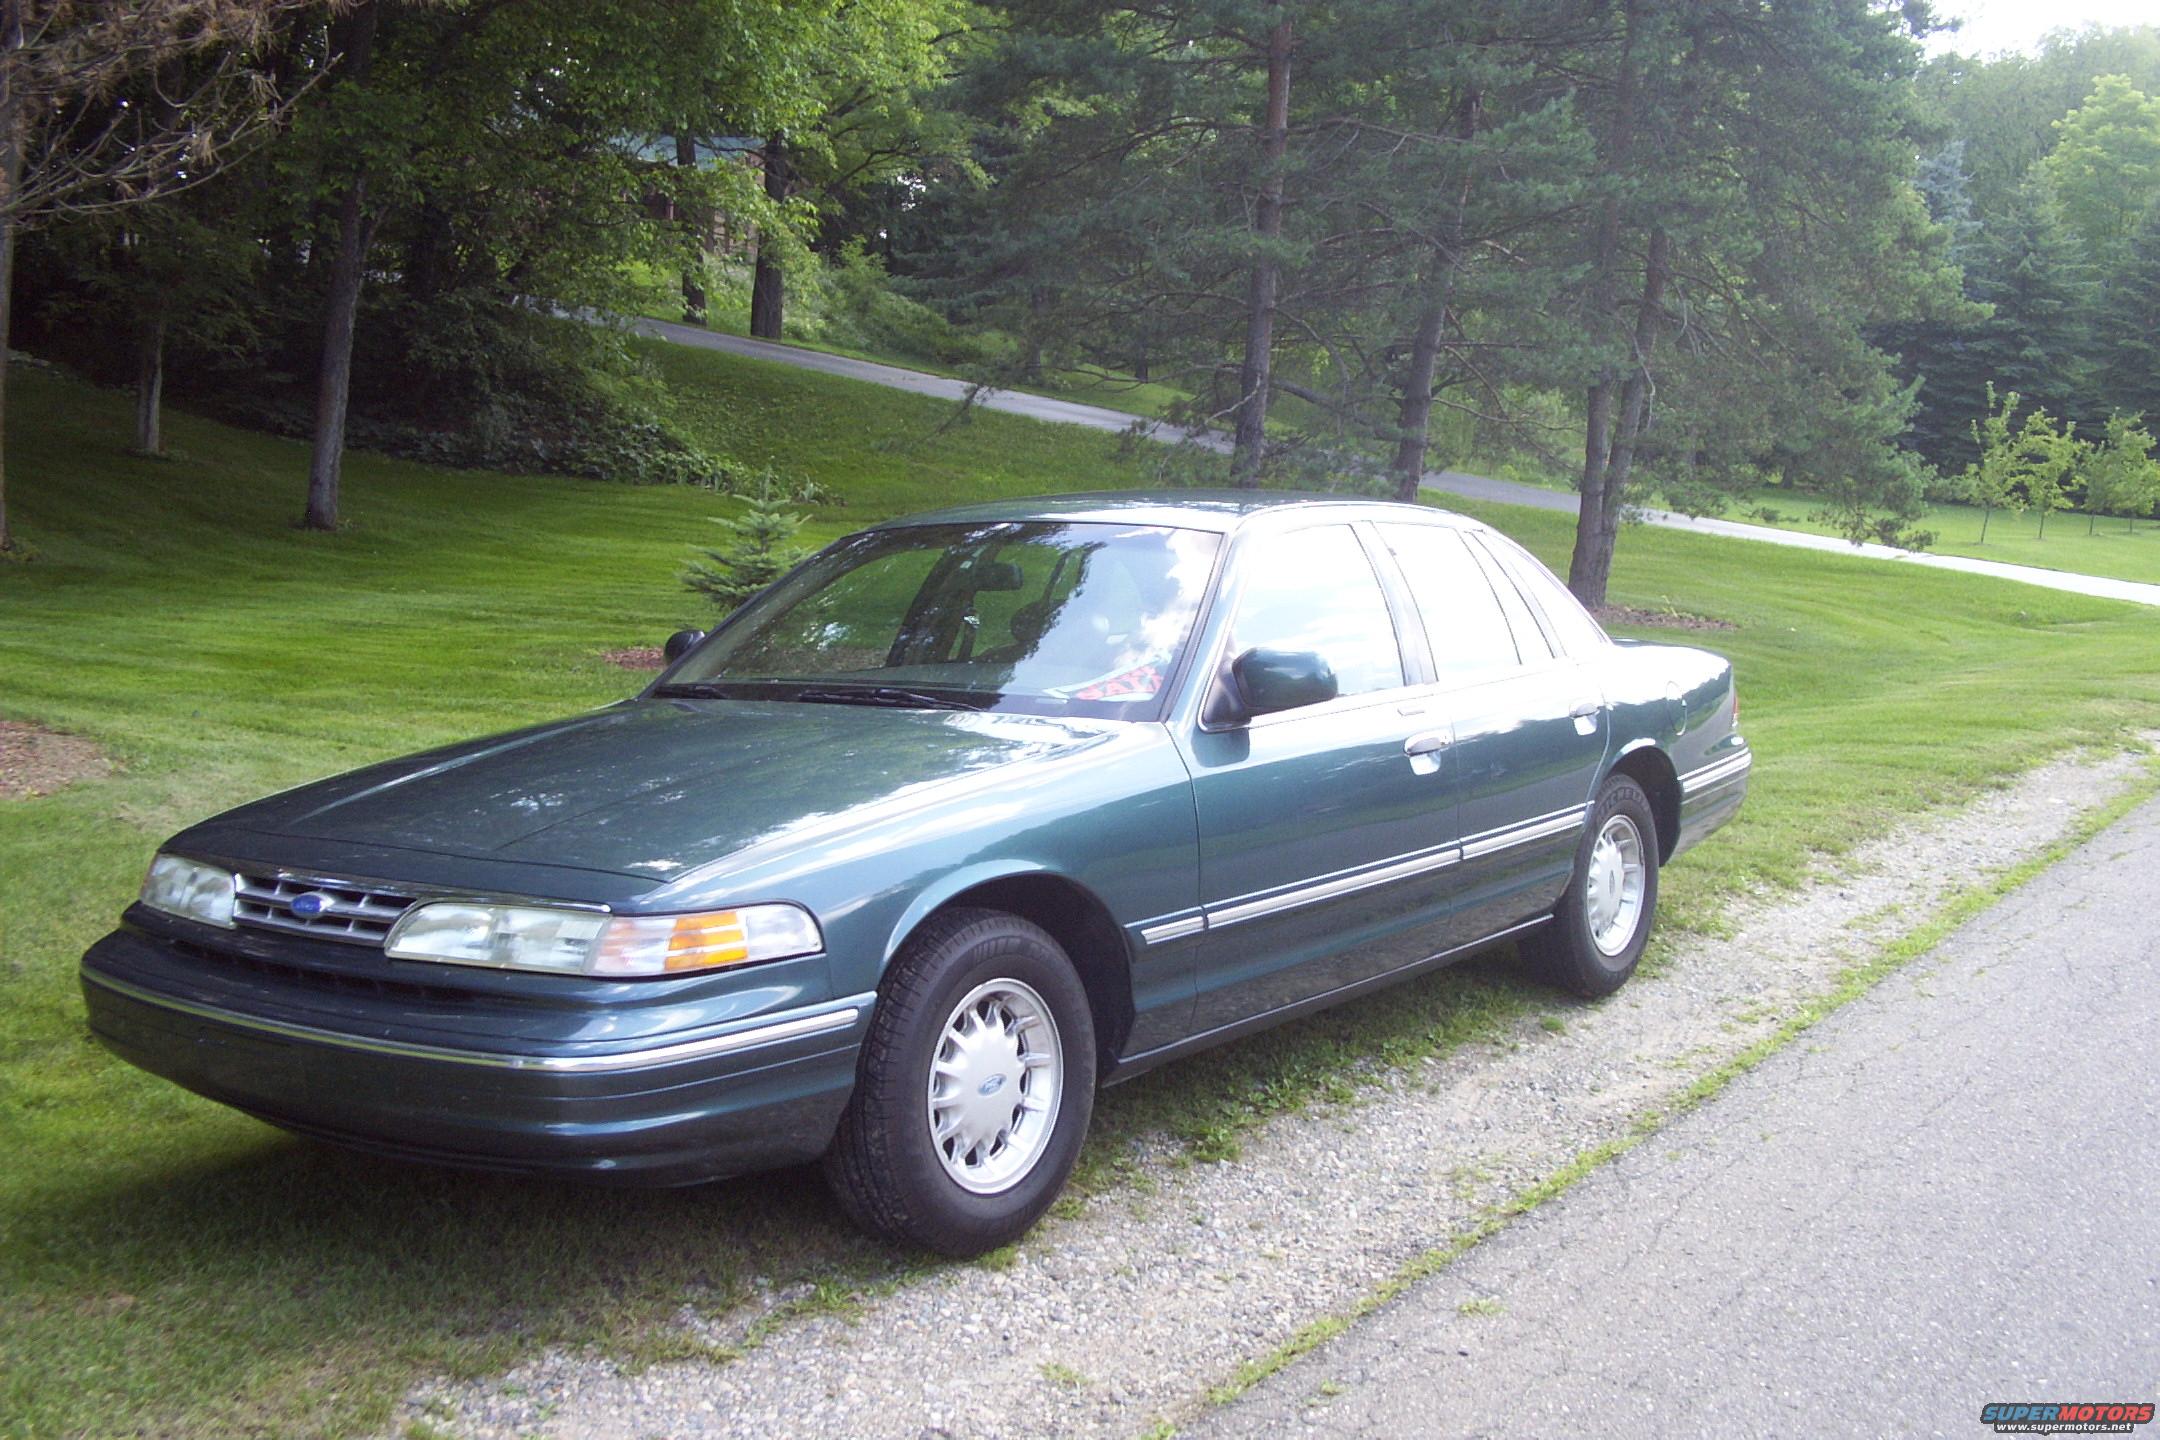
[(966, 816)]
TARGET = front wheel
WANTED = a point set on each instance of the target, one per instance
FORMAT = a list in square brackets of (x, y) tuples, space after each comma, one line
[(974, 1089), (1599, 929)]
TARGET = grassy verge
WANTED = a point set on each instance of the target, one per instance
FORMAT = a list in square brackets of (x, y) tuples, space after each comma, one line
[(1853, 982), (2112, 546), (174, 1268)]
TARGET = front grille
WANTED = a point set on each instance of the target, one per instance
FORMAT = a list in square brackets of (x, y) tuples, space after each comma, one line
[(347, 910)]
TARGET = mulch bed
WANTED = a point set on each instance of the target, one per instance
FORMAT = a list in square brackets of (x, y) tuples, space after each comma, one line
[(37, 761), (1661, 619), (636, 657)]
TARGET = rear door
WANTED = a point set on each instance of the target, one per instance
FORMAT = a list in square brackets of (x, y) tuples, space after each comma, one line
[(1324, 843), (1529, 738)]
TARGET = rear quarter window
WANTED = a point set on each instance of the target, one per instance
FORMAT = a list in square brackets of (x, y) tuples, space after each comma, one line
[(1572, 626)]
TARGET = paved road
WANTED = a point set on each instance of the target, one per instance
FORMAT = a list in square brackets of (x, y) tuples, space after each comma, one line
[(1941, 1197), (1478, 487)]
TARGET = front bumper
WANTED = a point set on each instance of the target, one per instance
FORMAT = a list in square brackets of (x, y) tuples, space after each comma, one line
[(697, 1103)]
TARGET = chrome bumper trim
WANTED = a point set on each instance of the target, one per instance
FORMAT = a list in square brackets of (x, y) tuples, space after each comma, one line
[(1717, 772), (798, 1027)]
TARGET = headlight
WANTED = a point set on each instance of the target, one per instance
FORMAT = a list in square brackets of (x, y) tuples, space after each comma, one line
[(190, 889), (584, 942)]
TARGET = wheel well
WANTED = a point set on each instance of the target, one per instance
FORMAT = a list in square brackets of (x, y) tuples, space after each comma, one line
[(1081, 924), (1652, 769)]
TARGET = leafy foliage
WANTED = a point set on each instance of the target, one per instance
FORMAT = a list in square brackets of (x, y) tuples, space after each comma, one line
[(2121, 476)]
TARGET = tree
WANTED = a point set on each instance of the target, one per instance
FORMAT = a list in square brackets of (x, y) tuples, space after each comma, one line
[(2054, 455), (2005, 108), (461, 137), (2128, 338), (2022, 464), (1995, 480), (2033, 272), (760, 548), (872, 69), (76, 137), (1758, 213), (2121, 475), (154, 275), (2105, 167)]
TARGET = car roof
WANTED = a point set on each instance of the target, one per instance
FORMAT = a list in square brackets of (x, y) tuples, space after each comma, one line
[(1218, 510)]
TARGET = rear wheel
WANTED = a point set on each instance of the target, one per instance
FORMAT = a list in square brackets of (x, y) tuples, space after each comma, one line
[(974, 1089), (1603, 922)]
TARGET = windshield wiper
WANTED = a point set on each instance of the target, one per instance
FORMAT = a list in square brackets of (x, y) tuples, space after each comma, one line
[(692, 690), (890, 695)]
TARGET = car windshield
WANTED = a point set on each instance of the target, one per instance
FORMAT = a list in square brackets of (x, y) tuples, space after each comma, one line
[(1038, 617)]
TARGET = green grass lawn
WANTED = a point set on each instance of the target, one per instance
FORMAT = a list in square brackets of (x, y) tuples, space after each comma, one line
[(2109, 545), (174, 1268)]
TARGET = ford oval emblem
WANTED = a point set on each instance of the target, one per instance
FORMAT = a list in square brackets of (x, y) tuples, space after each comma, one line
[(310, 905), (992, 1085)]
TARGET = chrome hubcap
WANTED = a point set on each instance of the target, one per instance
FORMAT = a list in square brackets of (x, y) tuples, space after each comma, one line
[(1618, 877), (996, 1078)]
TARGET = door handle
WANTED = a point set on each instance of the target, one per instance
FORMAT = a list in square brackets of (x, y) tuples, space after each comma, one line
[(1427, 742), (1585, 709)]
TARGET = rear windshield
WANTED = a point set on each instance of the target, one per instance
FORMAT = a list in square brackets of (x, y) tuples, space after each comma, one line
[(1036, 617)]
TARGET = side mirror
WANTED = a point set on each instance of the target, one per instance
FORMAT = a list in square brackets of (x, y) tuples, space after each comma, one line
[(1262, 682), (680, 644)]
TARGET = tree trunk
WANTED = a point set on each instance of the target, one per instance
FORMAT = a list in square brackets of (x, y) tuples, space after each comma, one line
[(1414, 420), (1985, 512), (698, 232), (1253, 376), (768, 290), (11, 161), (348, 271), (1415, 417), (333, 387), (1590, 567), (1605, 478), (150, 384)]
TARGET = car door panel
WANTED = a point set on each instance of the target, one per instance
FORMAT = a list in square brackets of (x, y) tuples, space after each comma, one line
[(1530, 747), (1324, 841), (1527, 726), (1524, 768), (1322, 856)]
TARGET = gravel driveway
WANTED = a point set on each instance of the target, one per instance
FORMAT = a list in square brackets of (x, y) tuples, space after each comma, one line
[(1128, 1313)]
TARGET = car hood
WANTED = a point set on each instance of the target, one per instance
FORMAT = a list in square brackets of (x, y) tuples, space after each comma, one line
[(657, 788)]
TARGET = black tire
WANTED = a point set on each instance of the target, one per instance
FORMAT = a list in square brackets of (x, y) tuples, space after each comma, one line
[(884, 1165), (1562, 952)]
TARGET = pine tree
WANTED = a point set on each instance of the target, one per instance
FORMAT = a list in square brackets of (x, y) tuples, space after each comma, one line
[(2039, 340), (2129, 328), (1935, 354), (760, 548)]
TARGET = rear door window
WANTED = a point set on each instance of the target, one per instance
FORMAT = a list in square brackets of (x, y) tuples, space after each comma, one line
[(1571, 625), (1470, 634)]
